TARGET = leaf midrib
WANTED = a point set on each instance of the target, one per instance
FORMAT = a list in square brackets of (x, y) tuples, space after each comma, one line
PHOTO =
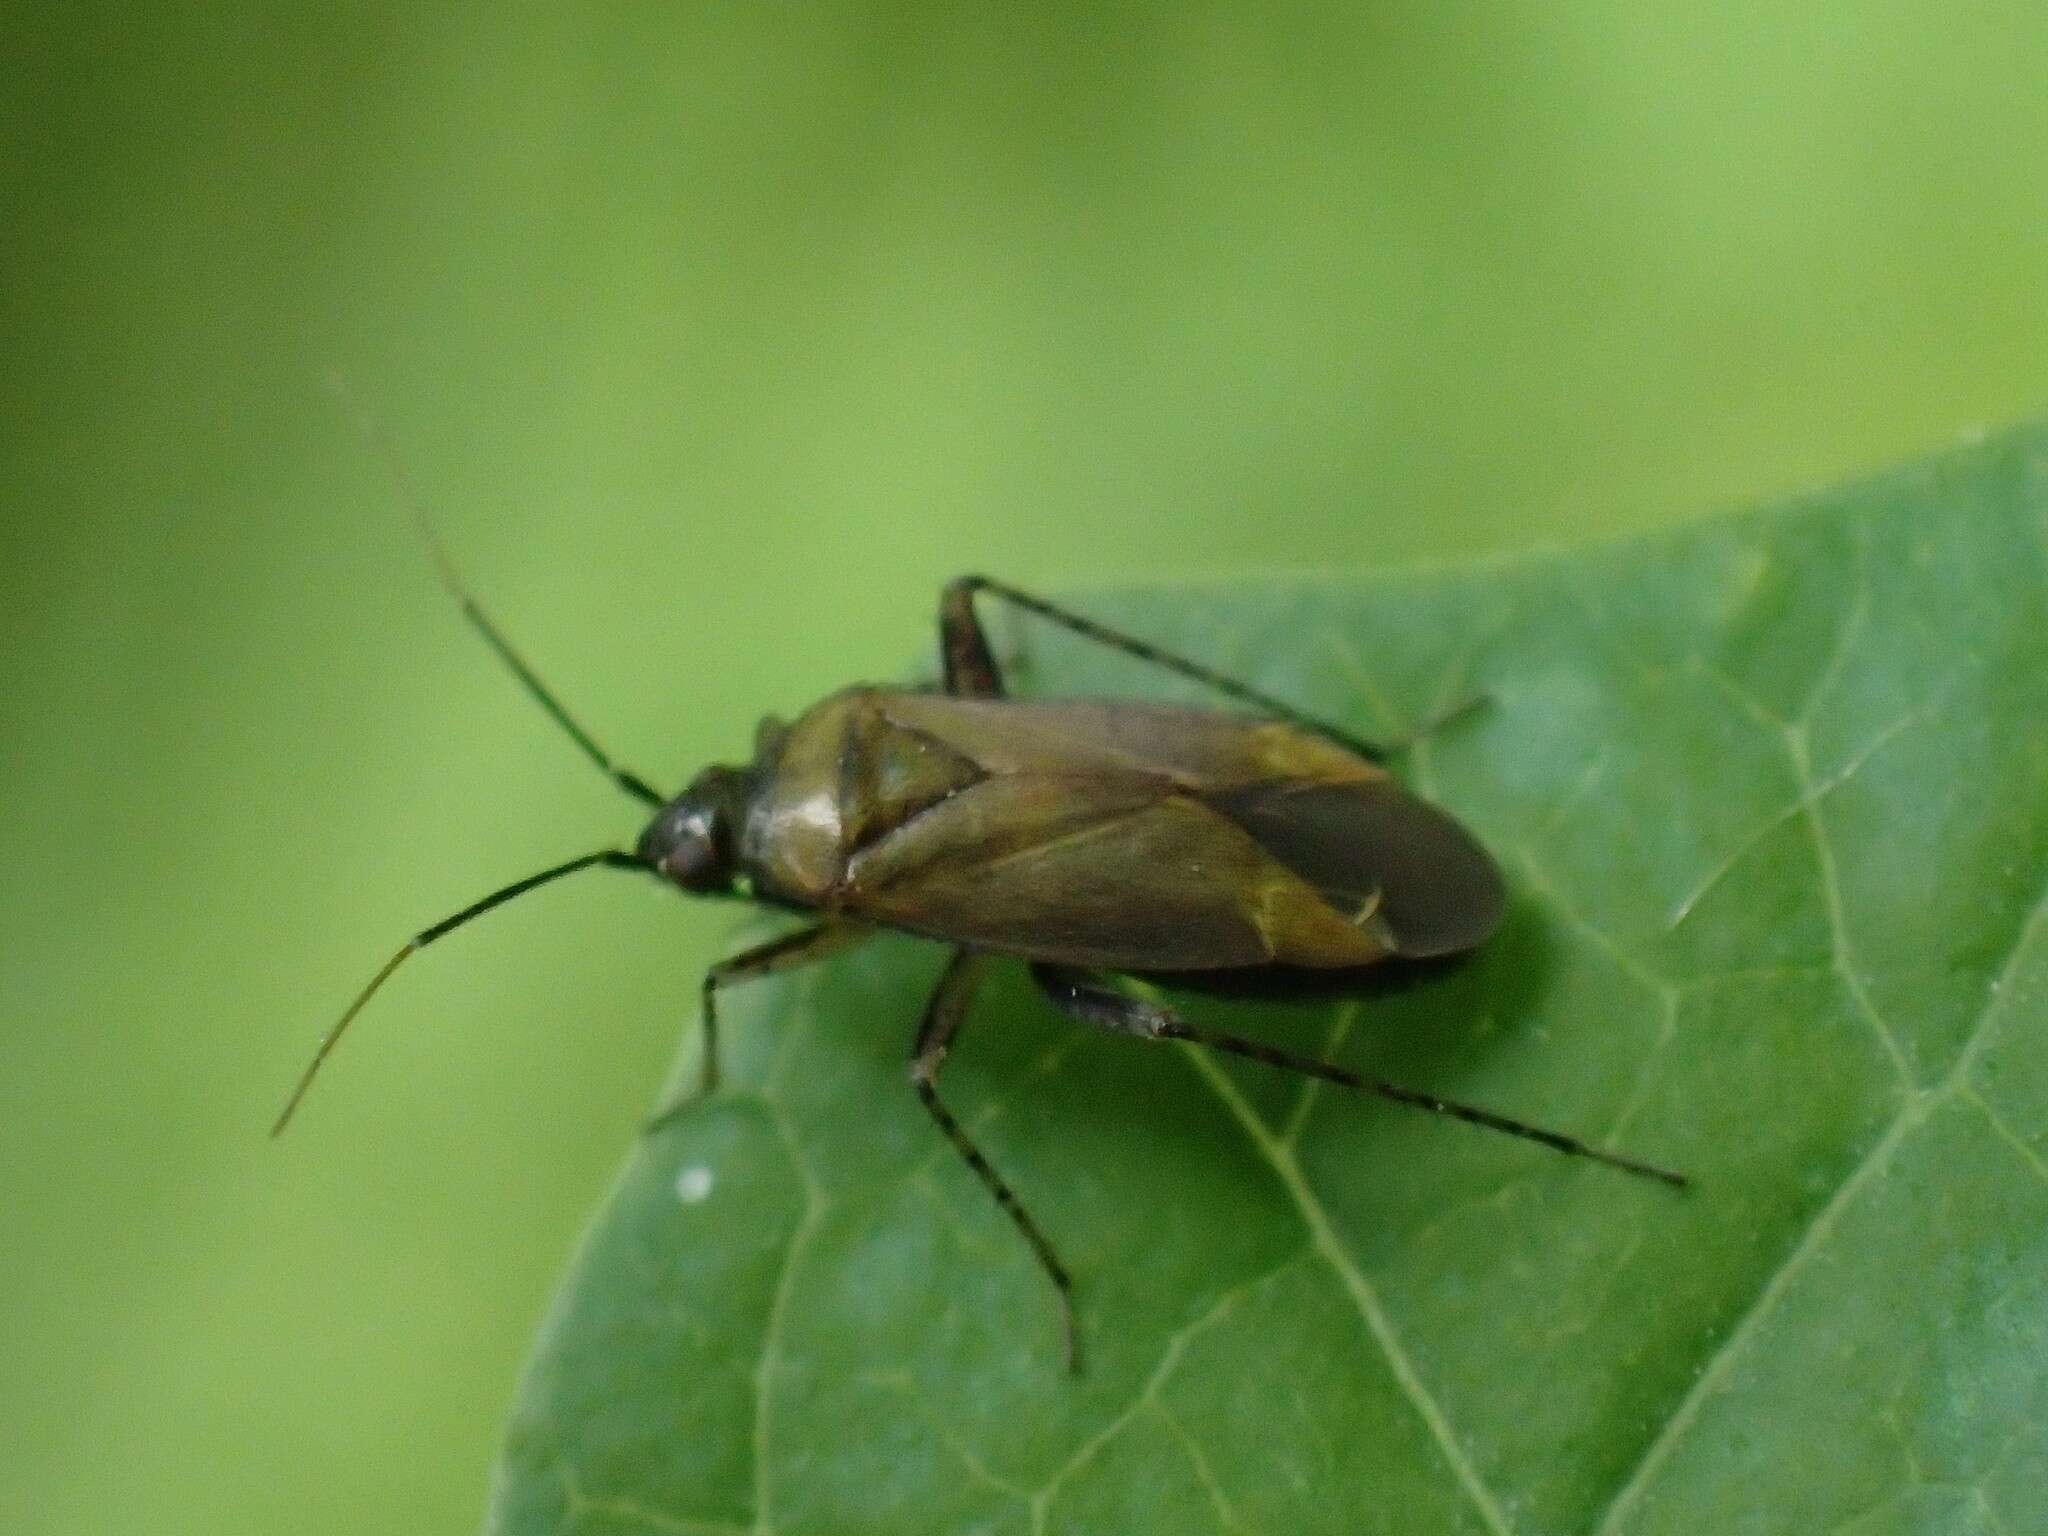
[(1913, 1110)]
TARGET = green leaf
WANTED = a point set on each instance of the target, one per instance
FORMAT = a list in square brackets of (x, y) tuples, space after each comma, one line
[(1770, 794)]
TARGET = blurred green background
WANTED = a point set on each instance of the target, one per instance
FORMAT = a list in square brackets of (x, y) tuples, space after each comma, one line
[(718, 337)]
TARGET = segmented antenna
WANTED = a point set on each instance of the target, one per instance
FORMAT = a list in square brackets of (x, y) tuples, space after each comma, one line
[(444, 568), (611, 857)]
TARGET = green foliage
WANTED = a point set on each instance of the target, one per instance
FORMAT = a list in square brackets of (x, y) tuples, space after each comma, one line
[(1770, 794)]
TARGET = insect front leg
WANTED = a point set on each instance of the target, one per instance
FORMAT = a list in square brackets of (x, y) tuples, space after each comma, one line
[(804, 946), (943, 1015), (1081, 996)]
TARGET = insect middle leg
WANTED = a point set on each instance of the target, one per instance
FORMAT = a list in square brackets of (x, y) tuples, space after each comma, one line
[(943, 1015), (971, 666), (1081, 996), (786, 952)]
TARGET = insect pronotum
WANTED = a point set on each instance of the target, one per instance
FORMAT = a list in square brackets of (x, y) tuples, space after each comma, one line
[(1089, 839)]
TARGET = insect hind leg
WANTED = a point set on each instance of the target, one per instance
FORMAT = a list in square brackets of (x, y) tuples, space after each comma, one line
[(969, 662), (1081, 996), (971, 668)]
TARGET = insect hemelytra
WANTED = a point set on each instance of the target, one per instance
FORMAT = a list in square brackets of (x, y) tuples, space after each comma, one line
[(1089, 839)]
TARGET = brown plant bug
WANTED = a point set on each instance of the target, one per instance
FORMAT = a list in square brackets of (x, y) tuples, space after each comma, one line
[(1089, 839)]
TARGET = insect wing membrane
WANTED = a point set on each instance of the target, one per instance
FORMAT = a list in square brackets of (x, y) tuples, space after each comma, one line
[(1438, 891)]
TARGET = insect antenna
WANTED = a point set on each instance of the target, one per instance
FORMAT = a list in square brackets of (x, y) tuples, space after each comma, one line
[(451, 580), (610, 857)]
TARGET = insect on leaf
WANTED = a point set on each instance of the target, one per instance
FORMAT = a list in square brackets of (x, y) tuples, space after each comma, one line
[(1771, 794)]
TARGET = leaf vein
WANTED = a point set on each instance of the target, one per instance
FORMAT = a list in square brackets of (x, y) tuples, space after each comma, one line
[(1912, 1111), (636, 1513), (1838, 921), (1721, 1361), (1204, 1473), (1363, 1297), (1811, 795), (2005, 1132), (1856, 613), (771, 1332), (1147, 1394)]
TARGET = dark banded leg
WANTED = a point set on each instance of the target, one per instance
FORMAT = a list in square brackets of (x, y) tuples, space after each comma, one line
[(971, 668), (803, 946), (1075, 994), (943, 1016)]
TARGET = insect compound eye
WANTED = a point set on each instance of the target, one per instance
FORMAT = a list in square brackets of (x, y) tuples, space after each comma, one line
[(692, 860)]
